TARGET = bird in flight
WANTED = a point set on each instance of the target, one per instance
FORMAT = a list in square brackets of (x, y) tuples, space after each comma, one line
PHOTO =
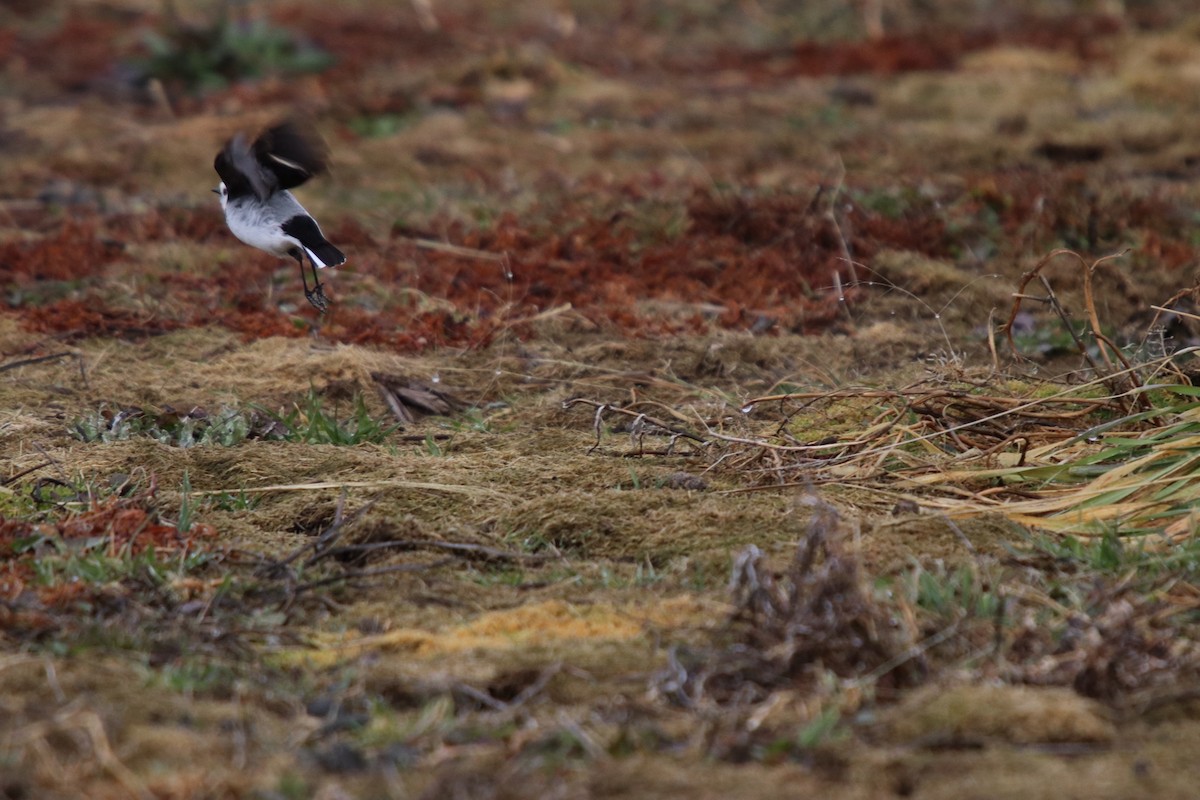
[(259, 209)]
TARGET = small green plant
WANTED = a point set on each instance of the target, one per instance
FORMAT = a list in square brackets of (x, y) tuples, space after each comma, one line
[(891, 202), (644, 574), (557, 748), (825, 728), (194, 675), (221, 51), (1052, 339), (635, 482), (228, 501), (227, 427), (309, 422), (186, 504), (293, 787), (1112, 554), (703, 577), (821, 729), (529, 542), (471, 420), (380, 125), (511, 576), (432, 447), (949, 592), (92, 563), (48, 497)]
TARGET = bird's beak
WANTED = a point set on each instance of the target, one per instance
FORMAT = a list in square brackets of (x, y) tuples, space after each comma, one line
[(216, 191)]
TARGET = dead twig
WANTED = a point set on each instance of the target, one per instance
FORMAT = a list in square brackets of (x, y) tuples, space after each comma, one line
[(641, 420), (409, 399), (327, 536), (380, 484), (355, 575), (524, 696), (25, 362), (70, 719), (24, 472), (1123, 381), (482, 552), (456, 250)]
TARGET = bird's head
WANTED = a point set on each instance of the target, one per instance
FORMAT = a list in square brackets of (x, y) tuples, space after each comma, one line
[(222, 191)]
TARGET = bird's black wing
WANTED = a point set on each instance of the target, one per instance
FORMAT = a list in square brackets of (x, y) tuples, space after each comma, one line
[(283, 156), (241, 172), (292, 153)]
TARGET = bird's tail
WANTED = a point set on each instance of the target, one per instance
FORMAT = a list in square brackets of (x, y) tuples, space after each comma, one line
[(326, 255), (304, 230)]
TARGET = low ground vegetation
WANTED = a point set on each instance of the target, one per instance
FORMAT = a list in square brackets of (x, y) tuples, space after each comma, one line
[(731, 401)]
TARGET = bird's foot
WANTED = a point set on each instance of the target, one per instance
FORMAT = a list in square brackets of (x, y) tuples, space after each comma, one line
[(316, 296)]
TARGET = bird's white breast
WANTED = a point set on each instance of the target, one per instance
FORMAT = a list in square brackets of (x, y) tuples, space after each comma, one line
[(257, 223)]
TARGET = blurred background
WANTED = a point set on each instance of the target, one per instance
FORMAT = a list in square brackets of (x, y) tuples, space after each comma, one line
[(658, 167)]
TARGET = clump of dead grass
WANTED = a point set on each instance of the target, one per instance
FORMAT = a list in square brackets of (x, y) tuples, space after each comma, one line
[(818, 616), (1112, 451), (808, 646), (1123, 646), (803, 636), (973, 715)]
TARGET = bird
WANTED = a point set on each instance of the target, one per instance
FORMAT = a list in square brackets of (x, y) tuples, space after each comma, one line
[(259, 208)]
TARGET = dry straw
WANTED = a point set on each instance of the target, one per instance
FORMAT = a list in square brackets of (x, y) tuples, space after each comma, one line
[(1117, 452)]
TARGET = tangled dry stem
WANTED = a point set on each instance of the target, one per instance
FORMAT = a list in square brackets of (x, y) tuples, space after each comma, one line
[(789, 631)]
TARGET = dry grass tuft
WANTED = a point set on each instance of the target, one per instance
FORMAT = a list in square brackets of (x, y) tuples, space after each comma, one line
[(1123, 648), (965, 716), (791, 631)]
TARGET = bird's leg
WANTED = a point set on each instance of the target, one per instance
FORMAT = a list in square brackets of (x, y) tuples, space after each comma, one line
[(316, 295), (318, 289)]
